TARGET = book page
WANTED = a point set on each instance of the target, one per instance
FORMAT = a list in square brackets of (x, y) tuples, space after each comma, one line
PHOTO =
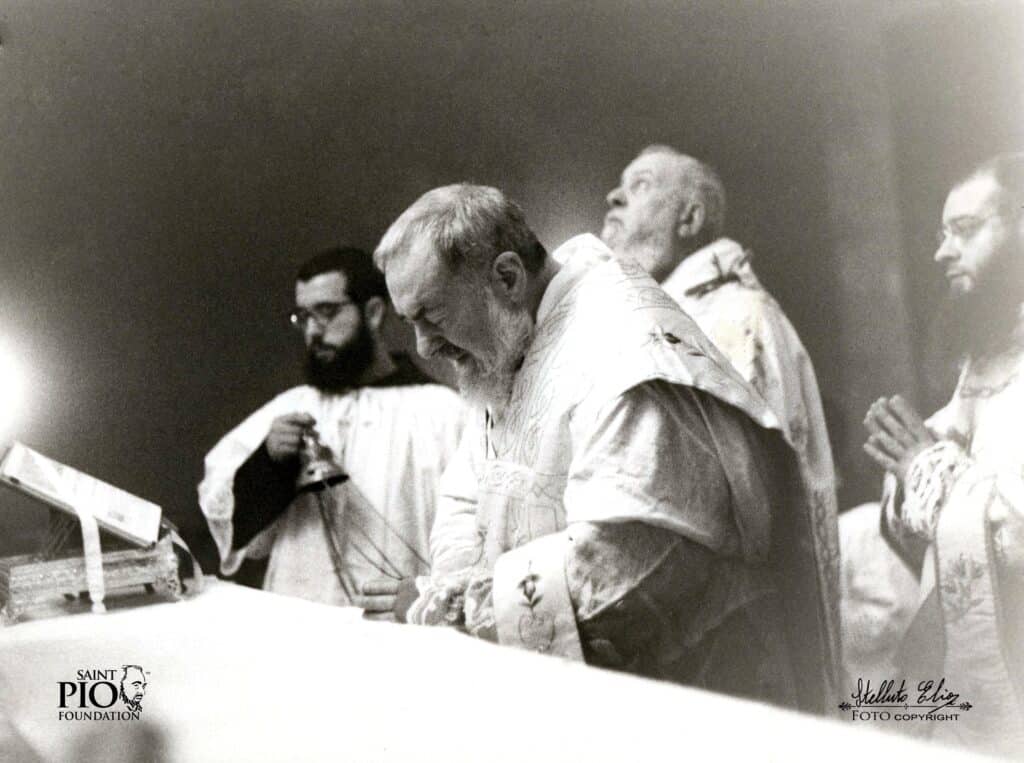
[(115, 510)]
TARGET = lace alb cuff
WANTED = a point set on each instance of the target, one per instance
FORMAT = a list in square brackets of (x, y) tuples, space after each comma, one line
[(929, 479), (440, 602)]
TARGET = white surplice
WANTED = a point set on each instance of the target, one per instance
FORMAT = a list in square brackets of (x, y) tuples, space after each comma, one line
[(393, 442)]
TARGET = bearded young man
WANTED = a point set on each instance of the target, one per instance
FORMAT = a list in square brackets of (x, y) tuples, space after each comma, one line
[(668, 214), (377, 416), (616, 498), (953, 502)]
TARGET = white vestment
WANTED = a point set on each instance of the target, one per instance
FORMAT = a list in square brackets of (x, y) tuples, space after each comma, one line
[(601, 386), (717, 287), (973, 604), (393, 442)]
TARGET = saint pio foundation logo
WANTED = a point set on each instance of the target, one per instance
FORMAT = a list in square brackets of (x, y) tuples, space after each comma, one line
[(103, 694)]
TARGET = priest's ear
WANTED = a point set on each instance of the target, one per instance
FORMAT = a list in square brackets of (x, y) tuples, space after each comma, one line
[(374, 310), (508, 277), (691, 219)]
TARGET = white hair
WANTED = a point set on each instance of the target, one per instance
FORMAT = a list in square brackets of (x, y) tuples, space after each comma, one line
[(699, 178)]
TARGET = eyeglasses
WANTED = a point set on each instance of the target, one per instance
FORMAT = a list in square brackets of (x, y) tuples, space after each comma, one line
[(963, 228), (321, 313)]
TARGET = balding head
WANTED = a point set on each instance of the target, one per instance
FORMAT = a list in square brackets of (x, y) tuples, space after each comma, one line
[(700, 181), (467, 225), (464, 268), (667, 206)]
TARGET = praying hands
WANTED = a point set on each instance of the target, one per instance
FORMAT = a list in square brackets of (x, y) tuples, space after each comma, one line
[(898, 435)]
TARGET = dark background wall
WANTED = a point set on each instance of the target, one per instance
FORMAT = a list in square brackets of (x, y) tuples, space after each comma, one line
[(165, 166), (957, 83)]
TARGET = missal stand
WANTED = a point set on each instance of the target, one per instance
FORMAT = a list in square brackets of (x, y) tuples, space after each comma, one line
[(138, 545)]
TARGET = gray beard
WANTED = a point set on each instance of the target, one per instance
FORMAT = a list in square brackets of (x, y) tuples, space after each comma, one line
[(653, 252), (488, 383)]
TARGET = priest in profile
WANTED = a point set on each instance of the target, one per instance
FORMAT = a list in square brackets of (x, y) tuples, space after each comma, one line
[(620, 496), (953, 496)]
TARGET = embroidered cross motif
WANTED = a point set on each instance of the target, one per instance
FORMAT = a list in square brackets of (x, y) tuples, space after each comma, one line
[(658, 335)]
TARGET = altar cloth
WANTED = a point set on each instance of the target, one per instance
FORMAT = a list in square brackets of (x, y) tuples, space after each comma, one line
[(237, 674)]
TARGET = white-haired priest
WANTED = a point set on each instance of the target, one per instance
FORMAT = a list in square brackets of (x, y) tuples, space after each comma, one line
[(621, 496)]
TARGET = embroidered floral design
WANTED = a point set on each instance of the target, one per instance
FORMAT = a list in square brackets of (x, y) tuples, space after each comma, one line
[(957, 588), (930, 478), (826, 542), (536, 629), (528, 585)]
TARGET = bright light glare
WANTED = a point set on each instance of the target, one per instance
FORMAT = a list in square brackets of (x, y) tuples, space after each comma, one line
[(12, 391)]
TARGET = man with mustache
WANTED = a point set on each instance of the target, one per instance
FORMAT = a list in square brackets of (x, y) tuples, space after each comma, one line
[(668, 214), (133, 686), (953, 502), (372, 413), (616, 496)]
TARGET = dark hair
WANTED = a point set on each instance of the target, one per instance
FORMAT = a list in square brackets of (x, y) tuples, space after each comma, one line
[(126, 668), (362, 278), (467, 225)]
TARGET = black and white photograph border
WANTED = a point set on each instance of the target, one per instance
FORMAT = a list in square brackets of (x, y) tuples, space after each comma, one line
[(182, 185)]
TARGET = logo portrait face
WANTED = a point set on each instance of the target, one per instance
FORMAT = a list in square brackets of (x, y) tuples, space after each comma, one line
[(133, 686)]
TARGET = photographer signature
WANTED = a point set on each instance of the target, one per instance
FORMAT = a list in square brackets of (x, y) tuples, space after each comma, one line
[(930, 694)]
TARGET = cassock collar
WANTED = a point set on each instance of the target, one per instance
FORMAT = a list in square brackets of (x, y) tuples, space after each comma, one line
[(720, 261)]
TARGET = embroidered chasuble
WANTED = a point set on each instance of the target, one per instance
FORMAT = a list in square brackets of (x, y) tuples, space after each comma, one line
[(634, 505), (717, 287), (970, 627), (393, 442)]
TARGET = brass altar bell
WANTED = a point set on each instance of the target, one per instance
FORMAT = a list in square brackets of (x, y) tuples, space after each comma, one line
[(318, 467)]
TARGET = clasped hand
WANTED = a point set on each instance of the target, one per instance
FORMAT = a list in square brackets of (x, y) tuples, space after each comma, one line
[(386, 598), (897, 435)]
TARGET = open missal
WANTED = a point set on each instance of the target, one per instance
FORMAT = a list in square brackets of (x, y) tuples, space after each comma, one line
[(116, 511)]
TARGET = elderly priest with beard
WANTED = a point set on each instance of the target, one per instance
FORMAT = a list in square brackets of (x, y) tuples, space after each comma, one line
[(373, 414), (622, 496)]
